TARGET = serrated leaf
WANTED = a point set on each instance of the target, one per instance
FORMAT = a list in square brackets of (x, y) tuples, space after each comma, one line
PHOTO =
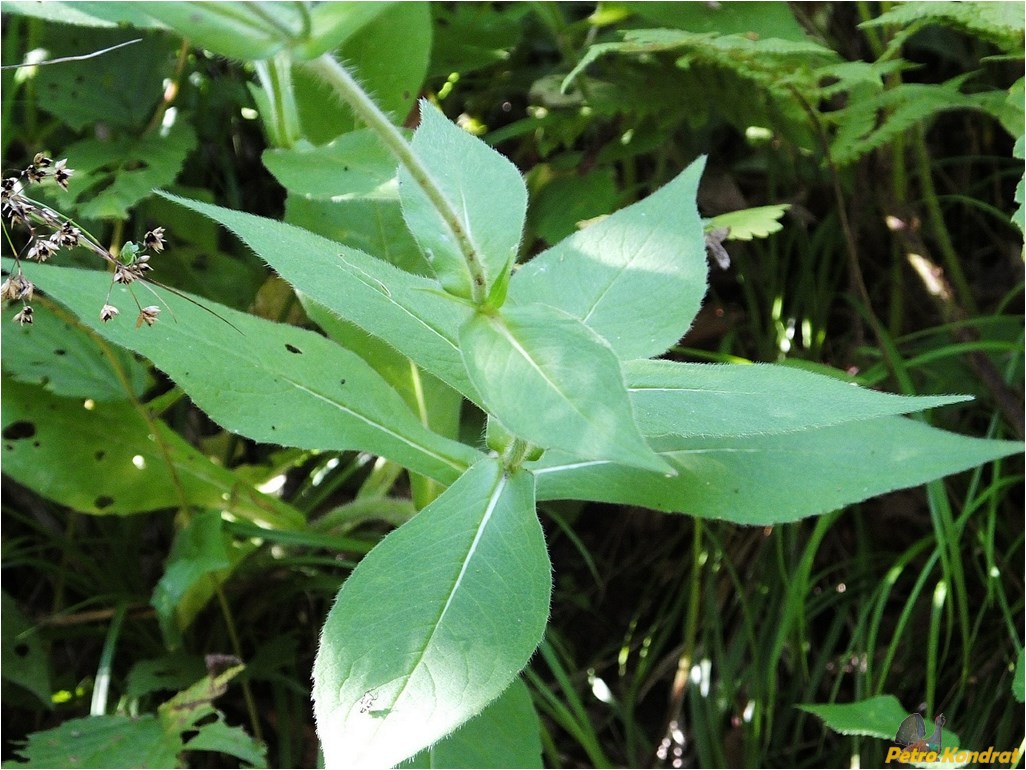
[(460, 619), (408, 312), (877, 717), (193, 704), (112, 176), (114, 465), (505, 734), (551, 380), (636, 278), (481, 188), (758, 222), (267, 381), (221, 737), (738, 400), (66, 360), (772, 479), (109, 741)]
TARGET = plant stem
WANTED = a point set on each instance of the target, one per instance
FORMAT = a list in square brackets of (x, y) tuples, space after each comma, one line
[(346, 87)]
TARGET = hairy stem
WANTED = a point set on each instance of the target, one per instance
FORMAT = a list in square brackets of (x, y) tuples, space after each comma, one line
[(333, 73)]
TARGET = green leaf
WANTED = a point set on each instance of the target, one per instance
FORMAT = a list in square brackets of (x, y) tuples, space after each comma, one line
[(739, 400), (225, 739), (86, 14), (408, 312), (116, 464), (110, 741), (565, 203), (271, 382), (331, 24), (877, 717), (505, 734), (764, 20), (22, 656), (68, 361), (772, 479), (1019, 680), (459, 596), (636, 278), (482, 188), (119, 88), (112, 176), (356, 164), (758, 222), (551, 380), (394, 80), (237, 30), (195, 703), (202, 558)]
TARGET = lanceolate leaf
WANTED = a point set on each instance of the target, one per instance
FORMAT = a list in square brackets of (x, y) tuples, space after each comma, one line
[(772, 479), (267, 381), (505, 734), (733, 400), (410, 313), (549, 379), (458, 619), (637, 278), (483, 190)]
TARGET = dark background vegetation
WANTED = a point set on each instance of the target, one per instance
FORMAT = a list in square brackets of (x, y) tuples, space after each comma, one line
[(706, 635)]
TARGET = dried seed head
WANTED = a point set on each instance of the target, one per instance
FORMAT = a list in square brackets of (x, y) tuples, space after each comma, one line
[(154, 239), (42, 250), (11, 288), (107, 312), (68, 235), (24, 316), (148, 315), (61, 174)]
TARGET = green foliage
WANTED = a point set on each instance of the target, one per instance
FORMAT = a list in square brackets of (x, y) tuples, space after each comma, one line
[(475, 589), (117, 740), (407, 372)]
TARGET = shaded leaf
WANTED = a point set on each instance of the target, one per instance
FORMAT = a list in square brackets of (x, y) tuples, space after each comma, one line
[(109, 741), (114, 465), (64, 358), (22, 657)]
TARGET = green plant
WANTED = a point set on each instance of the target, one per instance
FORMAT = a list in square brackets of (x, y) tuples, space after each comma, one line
[(558, 354)]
